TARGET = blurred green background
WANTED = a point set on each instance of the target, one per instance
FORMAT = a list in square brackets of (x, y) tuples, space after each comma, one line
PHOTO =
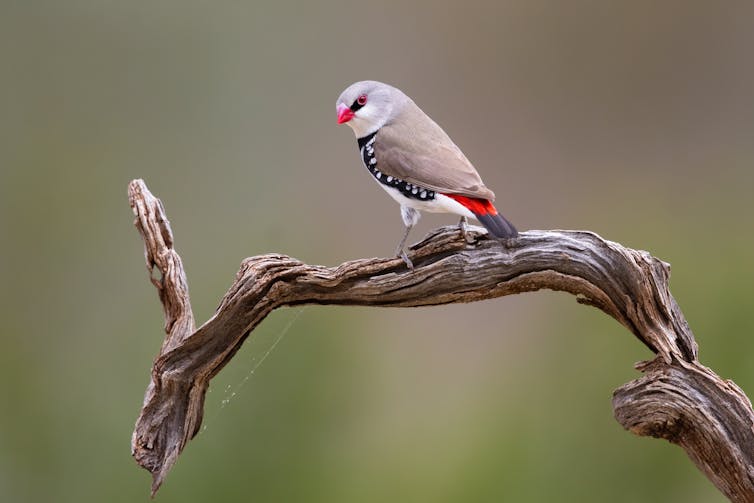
[(633, 119)]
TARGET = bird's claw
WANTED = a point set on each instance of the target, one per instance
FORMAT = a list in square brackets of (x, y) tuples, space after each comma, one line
[(463, 228), (409, 264)]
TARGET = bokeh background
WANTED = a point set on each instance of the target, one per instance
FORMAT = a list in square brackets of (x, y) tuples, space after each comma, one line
[(633, 119)]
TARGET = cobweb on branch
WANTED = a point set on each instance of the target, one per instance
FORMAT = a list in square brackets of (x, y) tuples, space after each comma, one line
[(230, 390)]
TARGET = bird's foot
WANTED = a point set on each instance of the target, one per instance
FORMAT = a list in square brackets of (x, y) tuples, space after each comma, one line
[(409, 264), (464, 229)]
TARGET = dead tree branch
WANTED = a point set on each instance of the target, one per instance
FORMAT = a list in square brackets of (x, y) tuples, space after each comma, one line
[(677, 398)]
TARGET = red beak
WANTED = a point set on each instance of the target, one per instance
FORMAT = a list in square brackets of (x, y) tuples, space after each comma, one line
[(345, 114)]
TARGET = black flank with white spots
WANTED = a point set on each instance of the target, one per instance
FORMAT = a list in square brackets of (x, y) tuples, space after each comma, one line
[(370, 161)]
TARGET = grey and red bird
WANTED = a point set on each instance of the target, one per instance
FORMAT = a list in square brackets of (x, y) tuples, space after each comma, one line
[(415, 161)]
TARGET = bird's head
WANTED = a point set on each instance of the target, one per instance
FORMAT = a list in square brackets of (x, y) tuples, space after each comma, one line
[(368, 105)]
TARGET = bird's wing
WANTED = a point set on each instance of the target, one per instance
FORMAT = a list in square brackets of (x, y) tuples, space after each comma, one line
[(415, 149)]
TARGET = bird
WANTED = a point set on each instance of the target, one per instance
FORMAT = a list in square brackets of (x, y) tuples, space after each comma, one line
[(410, 156)]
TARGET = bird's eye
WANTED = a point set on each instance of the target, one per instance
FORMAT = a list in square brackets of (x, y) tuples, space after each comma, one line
[(362, 100)]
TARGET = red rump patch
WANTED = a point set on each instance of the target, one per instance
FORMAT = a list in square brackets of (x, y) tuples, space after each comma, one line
[(477, 206)]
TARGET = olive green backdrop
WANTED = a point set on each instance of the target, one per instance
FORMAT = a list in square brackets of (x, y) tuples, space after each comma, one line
[(631, 119)]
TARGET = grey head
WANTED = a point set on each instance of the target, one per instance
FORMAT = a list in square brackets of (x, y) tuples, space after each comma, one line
[(368, 105)]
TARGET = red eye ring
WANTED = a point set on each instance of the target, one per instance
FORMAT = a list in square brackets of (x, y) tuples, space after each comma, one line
[(362, 100)]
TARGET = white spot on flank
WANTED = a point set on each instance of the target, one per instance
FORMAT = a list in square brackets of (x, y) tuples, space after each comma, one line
[(423, 194), (414, 190), (372, 161), (379, 175), (389, 179)]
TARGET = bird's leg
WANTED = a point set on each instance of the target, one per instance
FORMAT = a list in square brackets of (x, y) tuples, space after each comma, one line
[(410, 216), (400, 252), (463, 227)]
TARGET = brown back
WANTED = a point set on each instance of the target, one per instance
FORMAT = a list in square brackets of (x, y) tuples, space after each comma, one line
[(414, 148)]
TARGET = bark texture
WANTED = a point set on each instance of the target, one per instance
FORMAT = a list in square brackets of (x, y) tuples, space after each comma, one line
[(677, 398)]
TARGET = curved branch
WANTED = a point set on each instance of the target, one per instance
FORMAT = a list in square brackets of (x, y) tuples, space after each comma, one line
[(629, 285)]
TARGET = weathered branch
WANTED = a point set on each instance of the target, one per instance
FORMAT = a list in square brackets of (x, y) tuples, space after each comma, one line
[(677, 398), (689, 405)]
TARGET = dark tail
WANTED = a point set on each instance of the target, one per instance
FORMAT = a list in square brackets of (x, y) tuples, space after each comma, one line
[(488, 216), (497, 225)]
